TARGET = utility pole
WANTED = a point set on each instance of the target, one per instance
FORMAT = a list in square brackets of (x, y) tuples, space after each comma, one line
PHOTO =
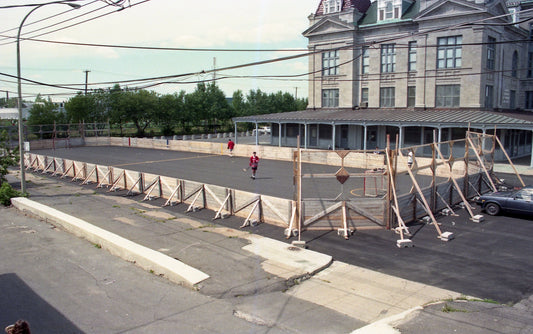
[(86, 80), (296, 93)]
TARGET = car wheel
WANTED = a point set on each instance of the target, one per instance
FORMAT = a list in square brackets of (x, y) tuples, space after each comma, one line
[(492, 209)]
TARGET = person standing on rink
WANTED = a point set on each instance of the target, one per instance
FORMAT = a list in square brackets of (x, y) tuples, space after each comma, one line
[(254, 163)]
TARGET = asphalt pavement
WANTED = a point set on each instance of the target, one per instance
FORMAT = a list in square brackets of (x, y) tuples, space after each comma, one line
[(370, 286)]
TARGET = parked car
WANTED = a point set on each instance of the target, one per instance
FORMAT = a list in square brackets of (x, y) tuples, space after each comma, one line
[(514, 201), (265, 130)]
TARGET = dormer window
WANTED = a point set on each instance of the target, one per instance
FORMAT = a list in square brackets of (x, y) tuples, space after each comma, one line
[(389, 9), (332, 6)]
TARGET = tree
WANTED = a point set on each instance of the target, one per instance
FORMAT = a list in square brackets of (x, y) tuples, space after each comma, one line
[(168, 112), (238, 103), (116, 112), (8, 157), (140, 107), (45, 113)]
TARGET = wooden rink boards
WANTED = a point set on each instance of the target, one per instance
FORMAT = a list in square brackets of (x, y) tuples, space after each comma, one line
[(365, 195)]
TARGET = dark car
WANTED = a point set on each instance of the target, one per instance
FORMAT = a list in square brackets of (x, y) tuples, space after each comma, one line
[(515, 201)]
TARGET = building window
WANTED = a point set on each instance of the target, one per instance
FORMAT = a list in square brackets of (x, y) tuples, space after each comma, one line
[(330, 63), (364, 95), (388, 11), (411, 96), (512, 99), (491, 53), (514, 68), (529, 99), (388, 58), (489, 96), (365, 63), (412, 56), (447, 96), (386, 97), (449, 52), (332, 6), (330, 98)]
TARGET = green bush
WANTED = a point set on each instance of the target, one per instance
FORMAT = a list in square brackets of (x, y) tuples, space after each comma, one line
[(7, 193)]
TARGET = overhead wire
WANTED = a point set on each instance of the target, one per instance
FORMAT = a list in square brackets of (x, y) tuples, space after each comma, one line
[(218, 70)]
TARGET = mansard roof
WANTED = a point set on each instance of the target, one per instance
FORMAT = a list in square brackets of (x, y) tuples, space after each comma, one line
[(360, 5)]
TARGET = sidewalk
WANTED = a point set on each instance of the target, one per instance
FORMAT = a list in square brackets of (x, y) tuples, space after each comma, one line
[(269, 282)]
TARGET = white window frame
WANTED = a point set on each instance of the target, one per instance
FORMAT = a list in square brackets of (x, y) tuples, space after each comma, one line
[(365, 60), (411, 96), (364, 95), (332, 6), (449, 52), (448, 96), (412, 56), (330, 63), (387, 97), (388, 58), (330, 98)]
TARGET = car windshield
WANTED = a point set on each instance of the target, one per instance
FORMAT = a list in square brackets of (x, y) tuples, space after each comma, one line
[(524, 194)]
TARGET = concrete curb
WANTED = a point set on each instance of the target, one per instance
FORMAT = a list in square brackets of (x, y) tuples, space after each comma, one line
[(144, 257)]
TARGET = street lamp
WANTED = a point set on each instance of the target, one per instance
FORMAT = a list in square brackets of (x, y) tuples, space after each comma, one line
[(19, 100)]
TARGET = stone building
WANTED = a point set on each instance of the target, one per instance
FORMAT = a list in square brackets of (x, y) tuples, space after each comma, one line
[(424, 70)]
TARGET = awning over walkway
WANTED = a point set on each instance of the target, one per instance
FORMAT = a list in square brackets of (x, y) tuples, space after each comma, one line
[(396, 117)]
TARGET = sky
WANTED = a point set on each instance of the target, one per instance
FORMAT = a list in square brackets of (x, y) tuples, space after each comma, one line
[(227, 33)]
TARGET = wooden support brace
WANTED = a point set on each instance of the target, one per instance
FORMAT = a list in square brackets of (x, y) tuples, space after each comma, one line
[(130, 191), (510, 162), (174, 193), (289, 230), (86, 181), (467, 205), (344, 221), (425, 203), (198, 193), (45, 170), (482, 165), (247, 221), (445, 203), (113, 186), (78, 173), (67, 170), (101, 183), (219, 212), (151, 188)]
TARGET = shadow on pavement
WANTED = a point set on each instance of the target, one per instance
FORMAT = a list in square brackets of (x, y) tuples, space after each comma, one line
[(19, 301)]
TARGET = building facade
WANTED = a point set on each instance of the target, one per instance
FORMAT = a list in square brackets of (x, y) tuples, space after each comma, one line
[(416, 69)]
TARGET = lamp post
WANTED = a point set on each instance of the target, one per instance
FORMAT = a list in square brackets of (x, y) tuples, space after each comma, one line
[(19, 99)]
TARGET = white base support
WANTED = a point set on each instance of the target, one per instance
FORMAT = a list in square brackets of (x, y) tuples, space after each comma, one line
[(478, 218), (404, 243), (426, 219), (446, 236), (299, 243), (446, 212)]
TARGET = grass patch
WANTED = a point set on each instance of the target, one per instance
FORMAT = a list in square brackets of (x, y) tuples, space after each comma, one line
[(97, 246), (448, 309)]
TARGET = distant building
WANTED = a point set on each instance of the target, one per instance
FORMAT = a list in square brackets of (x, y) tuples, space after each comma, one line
[(13, 113), (413, 68)]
